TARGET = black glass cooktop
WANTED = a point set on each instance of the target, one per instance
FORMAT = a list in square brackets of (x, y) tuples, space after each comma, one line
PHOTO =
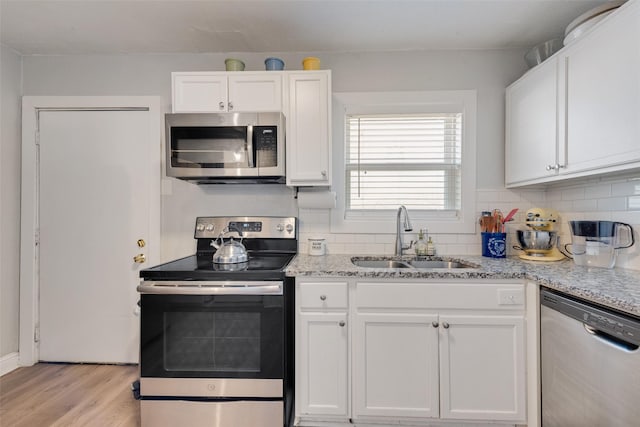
[(261, 266)]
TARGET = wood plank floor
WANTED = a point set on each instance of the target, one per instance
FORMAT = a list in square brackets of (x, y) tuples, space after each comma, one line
[(57, 395)]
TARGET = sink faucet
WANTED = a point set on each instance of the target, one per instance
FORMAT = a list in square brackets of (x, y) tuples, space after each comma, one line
[(407, 227)]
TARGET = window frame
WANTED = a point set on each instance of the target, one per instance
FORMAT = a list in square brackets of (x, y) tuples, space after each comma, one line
[(437, 222)]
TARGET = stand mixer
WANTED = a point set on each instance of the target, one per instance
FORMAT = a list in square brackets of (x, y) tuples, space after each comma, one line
[(540, 241)]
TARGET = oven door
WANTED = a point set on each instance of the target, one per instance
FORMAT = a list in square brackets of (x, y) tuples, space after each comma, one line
[(211, 340)]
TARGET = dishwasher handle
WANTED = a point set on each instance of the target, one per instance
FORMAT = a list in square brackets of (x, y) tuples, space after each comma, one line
[(608, 339)]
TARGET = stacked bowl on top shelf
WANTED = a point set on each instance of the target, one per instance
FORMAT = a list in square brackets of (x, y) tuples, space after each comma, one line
[(584, 22)]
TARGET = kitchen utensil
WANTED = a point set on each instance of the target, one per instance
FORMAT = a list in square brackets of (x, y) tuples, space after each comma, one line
[(542, 51), (271, 64), (486, 222), (231, 251), (311, 63), (498, 221), (596, 243), (232, 64), (510, 215)]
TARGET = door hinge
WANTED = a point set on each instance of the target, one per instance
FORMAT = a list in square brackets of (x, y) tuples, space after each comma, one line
[(36, 237), (38, 138), (36, 334)]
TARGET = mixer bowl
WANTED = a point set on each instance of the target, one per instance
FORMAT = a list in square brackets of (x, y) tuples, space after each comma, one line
[(536, 241)]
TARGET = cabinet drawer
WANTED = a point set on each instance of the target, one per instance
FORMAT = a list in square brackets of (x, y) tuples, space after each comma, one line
[(440, 296), (321, 295)]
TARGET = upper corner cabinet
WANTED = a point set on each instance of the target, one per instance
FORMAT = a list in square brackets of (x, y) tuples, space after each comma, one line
[(211, 92), (578, 113), (309, 128), (603, 94)]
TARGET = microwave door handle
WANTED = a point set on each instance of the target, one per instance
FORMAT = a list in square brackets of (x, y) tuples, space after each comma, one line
[(250, 146)]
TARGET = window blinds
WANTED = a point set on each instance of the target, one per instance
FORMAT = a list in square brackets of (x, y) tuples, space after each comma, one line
[(413, 160)]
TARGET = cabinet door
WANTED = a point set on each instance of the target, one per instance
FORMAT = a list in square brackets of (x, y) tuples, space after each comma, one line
[(532, 125), (198, 92), (255, 92), (395, 365), (482, 366), (308, 129), (321, 379), (603, 94)]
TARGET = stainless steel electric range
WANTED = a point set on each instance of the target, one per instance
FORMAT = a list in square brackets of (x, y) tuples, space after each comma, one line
[(217, 337)]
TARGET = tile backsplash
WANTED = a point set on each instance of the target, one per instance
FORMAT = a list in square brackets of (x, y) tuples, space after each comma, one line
[(613, 199)]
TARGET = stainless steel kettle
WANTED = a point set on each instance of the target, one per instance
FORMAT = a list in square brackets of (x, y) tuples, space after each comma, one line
[(231, 251)]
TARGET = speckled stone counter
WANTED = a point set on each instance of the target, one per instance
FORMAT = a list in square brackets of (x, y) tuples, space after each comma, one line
[(615, 288)]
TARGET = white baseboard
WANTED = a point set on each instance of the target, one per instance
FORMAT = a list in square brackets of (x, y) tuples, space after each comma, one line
[(9, 362)]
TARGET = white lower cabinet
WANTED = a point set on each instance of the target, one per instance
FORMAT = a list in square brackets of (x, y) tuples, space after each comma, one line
[(419, 352), (482, 367), (322, 376), (395, 365)]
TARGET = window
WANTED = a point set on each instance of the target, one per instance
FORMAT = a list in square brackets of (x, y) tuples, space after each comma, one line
[(403, 159), (405, 148)]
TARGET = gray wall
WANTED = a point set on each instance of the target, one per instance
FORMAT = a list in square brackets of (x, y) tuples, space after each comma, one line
[(10, 88), (489, 72)]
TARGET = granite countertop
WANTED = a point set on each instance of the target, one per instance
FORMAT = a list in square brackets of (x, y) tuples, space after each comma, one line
[(615, 288)]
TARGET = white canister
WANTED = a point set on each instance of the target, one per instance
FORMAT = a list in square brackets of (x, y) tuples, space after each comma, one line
[(317, 246)]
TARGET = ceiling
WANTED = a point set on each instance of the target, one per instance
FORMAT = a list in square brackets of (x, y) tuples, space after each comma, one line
[(62, 27)]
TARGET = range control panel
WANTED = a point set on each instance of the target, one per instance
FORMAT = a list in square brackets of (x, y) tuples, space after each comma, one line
[(210, 227)]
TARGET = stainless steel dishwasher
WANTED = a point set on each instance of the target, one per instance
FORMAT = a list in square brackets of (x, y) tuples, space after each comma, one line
[(590, 364)]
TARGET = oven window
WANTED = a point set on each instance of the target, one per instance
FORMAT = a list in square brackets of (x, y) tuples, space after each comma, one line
[(209, 341), (206, 336)]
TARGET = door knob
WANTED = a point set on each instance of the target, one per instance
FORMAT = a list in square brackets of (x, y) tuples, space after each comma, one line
[(141, 243), (140, 258)]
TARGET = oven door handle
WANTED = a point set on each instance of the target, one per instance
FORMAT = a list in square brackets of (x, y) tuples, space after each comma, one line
[(209, 288)]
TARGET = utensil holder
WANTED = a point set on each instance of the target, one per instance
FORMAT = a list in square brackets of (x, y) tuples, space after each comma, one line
[(494, 245)]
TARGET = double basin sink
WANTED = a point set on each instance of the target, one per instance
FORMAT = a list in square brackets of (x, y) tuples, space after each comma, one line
[(419, 264)]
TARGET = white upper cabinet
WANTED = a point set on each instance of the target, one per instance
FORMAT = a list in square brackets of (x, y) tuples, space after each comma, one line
[(603, 94), (211, 92), (578, 113), (309, 128), (532, 125)]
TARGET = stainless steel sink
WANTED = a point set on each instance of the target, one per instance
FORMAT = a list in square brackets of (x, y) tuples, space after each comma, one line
[(438, 264), (380, 263), (418, 264)]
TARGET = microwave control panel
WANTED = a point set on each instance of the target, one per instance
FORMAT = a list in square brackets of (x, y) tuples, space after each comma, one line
[(266, 143)]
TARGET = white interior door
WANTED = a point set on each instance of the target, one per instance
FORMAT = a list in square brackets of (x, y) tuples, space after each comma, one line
[(96, 199)]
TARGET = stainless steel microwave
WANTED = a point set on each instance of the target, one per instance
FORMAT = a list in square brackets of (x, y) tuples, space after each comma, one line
[(225, 147)]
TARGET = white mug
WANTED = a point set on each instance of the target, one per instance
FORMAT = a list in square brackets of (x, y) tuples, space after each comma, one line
[(317, 247)]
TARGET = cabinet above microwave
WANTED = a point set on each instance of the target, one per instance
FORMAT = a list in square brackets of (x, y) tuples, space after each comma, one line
[(226, 147)]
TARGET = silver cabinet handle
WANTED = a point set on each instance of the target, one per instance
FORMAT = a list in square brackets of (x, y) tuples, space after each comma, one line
[(555, 167), (230, 105), (342, 323), (434, 324), (221, 105), (445, 325), (323, 173), (323, 297)]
